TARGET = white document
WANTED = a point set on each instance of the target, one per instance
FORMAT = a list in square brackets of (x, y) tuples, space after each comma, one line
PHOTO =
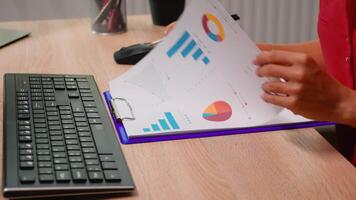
[(200, 78)]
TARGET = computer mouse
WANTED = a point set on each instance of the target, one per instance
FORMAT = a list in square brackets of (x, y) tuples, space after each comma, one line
[(132, 54)]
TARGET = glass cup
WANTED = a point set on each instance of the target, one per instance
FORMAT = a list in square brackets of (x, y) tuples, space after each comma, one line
[(109, 16)]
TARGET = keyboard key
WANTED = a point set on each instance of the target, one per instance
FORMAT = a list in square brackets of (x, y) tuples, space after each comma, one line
[(64, 108), (89, 105), (74, 153), (82, 124), (65, 112), (39, 116), (26, 152), (71, 142), (24, 128), (25, 146), (112, 176), (59, 155), (69, 121), (25, 133), (68, 126), (79, 175), (59, 87), (42, 146), (107, 158), (109, 165), (45, 170), (46, 178), (71, 136), (23, 116), (77, 106), (92, 162), (73, 147), (74, 95), (85, 139), (60, 161), (44, 164), (84, 134), (58, 142), (95, 168), (83, 129), (63, 176), (77, 165), (27, 176), (27, 165), (56, 138), (37, 105), (87, 144), (75, 159), (79, 114), (69, 131), (88, 150), (96, 176), (39, 120), (95, 121), (26, 158), (53, 123), (71, 87), (25, 139), (51, 104), (58, 149), (44, 158), (93, 115), (90, 156), (43, 152), (91, 110), (61, 167)]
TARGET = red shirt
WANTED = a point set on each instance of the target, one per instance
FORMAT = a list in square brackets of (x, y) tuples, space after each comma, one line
[(337, 33)]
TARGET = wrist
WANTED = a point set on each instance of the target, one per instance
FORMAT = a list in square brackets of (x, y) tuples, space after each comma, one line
[(346, 109)]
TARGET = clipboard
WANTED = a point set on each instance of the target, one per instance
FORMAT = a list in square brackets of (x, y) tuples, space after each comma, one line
[(126, 140)]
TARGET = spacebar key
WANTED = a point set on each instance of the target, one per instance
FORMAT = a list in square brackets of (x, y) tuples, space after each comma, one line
[(101, 139)]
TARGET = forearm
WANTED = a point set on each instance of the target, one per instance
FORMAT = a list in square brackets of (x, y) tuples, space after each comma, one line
[(311, 48)]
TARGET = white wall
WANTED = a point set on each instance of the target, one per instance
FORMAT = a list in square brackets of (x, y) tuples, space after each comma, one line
[(264, 20)]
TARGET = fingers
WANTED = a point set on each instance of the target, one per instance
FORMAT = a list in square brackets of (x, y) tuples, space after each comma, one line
[(282, 101), (278, 57), (283, 88), (169, 28), (273, 70)]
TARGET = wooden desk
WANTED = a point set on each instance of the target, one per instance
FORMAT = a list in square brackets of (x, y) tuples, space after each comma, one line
[(296, 164)]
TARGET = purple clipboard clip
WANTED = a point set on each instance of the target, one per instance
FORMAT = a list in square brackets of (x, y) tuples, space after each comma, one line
[(126, 140)]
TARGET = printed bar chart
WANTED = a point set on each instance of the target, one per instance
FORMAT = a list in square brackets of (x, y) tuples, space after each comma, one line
[(169, 123), (189, 48), (178, 45), (164, 124), (155, 127), (172, 120), (186, 45), (197, 54)]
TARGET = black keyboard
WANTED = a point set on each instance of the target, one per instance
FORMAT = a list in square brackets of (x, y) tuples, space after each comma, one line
[(58, 138)]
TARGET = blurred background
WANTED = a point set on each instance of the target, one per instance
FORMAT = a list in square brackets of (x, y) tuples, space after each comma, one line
[(282, 21)]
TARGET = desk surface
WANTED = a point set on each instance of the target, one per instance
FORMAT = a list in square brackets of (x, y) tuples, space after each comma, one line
[(296, 164)]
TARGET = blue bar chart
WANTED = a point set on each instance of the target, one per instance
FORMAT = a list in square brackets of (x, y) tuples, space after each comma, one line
[(167, 123), (186, 46)]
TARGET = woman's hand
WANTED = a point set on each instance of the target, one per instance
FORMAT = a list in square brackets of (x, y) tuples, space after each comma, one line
[(309, 90)]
